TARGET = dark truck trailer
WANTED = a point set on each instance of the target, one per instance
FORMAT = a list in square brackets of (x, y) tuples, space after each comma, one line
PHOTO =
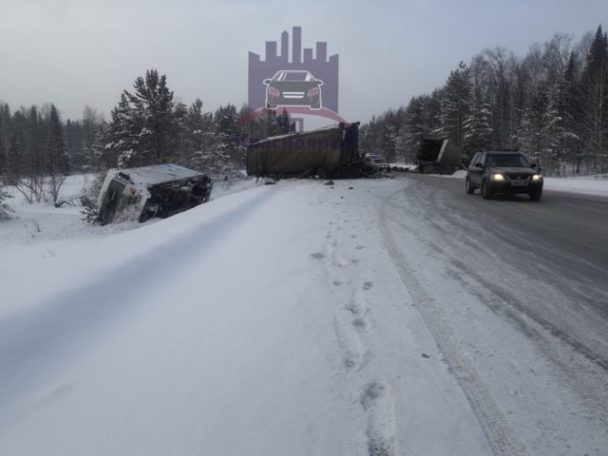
[(331, 152), (438, 156)]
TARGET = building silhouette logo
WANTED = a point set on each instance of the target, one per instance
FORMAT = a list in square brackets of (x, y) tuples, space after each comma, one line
[(302, 85)]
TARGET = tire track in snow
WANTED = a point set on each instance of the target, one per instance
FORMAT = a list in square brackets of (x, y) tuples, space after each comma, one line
[(502, 439)]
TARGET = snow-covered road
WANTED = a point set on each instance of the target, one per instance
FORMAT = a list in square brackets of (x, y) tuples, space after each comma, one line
[(300, 319), (524, 333)]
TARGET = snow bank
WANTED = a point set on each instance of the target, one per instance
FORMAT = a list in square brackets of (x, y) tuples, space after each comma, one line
[(590, 185)]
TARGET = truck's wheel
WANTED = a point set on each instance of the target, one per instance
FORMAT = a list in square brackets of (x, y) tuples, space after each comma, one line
[(469, 188)]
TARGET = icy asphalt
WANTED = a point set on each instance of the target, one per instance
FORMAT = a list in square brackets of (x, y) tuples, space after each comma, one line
[(372, 317)]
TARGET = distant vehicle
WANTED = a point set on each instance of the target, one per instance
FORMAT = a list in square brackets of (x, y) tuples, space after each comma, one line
[(438, 156), (293, 88), (138, 194), (377, 159), (500, 172)]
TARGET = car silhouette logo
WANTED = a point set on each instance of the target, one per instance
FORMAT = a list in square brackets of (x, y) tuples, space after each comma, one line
[(293, 88)]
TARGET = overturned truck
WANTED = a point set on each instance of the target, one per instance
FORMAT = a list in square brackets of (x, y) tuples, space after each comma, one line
[(138, 194), (330, 152), (438, 156)]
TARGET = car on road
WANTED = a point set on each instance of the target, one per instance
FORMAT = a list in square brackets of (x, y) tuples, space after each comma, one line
[(500, 172), (293, 88), (376, 159)]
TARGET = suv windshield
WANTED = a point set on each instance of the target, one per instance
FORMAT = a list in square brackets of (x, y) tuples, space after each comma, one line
[(507, 160)]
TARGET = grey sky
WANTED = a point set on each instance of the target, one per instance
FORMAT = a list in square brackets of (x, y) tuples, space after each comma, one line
[(79, 52)]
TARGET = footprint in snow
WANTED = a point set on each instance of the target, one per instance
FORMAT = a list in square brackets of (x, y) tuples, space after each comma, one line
[(317, 255), (353, 307), (368, 285), (372, 392), (360, 324)]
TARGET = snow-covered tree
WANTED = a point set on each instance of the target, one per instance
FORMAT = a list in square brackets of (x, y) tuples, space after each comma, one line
[(58, 163), (153, 103), (477, 125), (552, 132), (455, 105), (594, 85), (572, 107), (201, 140), (142, 128), (122, 141), (93, 127), (16, 149), (5, 120), (5, 209)]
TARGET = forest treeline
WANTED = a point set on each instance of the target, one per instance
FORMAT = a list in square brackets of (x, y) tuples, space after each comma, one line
[(147, 126), (551, 104)]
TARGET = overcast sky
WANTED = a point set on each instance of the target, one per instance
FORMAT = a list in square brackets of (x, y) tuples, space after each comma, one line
[(85, 52)]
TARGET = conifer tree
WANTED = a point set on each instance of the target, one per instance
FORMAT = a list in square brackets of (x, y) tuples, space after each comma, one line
[(455, 105), (16, 148), (283, 122), (5, 120), (572, 114), (594, 84), (5, 209), (153, 103), (57, 160), (477, 125), (122, 144)]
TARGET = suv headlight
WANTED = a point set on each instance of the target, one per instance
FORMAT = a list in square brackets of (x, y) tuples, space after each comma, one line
[(497, 177), (537, 178)]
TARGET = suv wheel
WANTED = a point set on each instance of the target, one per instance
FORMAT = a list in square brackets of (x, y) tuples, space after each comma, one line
[(536, 195), (486, 193), (468, 187)]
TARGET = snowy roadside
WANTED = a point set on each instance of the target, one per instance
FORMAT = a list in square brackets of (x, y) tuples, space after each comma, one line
[(269, 321), (588, 185), (298, 318), (41, 222), (56, 249)]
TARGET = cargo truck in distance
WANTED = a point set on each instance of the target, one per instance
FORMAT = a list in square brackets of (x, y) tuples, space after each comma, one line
[(327, 153), (438, 156)]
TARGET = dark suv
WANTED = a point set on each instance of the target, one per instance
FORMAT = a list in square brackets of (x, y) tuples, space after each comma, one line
[(503, 172)]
